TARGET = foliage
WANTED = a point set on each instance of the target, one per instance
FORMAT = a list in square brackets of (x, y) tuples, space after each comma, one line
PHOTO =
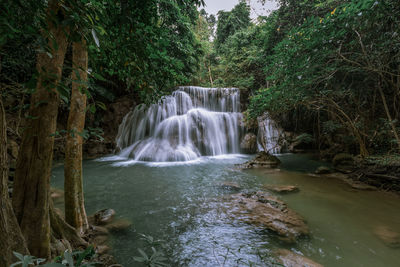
[(71, 259), (152, 255)]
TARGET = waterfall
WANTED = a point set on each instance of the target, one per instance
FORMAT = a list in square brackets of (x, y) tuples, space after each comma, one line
[(269, 135), (192, 122)]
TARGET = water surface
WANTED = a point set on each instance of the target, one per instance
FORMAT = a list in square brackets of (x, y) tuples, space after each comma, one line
[(181, 204)]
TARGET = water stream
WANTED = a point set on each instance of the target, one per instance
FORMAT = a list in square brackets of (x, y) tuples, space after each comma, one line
[(181, 204)]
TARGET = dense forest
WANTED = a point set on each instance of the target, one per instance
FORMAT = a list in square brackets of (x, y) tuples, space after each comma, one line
[(327, 71)]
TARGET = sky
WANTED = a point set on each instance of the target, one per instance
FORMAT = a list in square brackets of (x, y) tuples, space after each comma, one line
[(257, 9)]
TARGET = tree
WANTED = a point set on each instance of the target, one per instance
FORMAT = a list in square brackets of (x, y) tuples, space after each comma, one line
[(11, 237), (75, 213), (32, 177)]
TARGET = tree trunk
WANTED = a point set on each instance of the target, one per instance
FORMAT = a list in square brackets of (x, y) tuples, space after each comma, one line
[(75, 213), (11, 238), (34, 163)]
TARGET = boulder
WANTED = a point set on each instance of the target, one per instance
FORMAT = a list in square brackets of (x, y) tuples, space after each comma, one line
[(262, 160), (290, 259), (262, 209), (249, 143), (282, 189), (102, 217), (323, 170), (388, 236)]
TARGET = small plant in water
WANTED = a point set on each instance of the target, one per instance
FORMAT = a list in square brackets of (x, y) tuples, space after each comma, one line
[(153, 255)]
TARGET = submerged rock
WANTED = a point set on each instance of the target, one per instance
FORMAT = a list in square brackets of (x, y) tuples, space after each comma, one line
[(261, 209), (388, 236), (230, 186), (262, 160), (282, 189), (249, 143), (290, 259), (119, 225), (102, 217)]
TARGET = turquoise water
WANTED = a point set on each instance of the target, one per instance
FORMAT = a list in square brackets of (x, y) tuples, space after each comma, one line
[(181, 204)]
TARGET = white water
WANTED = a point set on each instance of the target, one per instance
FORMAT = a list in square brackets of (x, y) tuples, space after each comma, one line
[(269, 135), (192, 122)]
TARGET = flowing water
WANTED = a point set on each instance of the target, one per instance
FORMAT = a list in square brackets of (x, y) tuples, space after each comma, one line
[(192, 122), (181, 204)]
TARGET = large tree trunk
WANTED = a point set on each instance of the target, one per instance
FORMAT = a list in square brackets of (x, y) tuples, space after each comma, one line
[(11, 238), (75, 213), (32, 177)]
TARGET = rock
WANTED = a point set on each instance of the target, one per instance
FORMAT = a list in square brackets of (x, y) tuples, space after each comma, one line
[(106, 260), (249, 143), (261, 209), (323, 170), (103, 216), (388, 236), (118, 225), (99, 230), (230, 186), (282, 189), (290, 259), (102, 249), (262, 160)]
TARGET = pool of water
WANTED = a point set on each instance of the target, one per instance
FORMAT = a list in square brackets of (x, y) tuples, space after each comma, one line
[(181, 204)]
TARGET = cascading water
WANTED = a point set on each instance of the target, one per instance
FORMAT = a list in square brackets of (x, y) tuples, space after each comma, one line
[(269, 135), (192, 122)]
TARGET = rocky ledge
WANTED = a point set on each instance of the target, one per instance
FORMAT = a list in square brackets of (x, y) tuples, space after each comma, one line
[(262, 209)]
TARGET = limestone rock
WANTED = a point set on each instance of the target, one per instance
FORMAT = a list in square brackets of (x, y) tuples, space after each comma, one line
[(261, 209), (262, 160), (282, 189), (290, 259), (249, 143), (103, 217)]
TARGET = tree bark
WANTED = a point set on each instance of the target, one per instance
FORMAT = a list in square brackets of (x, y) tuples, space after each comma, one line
[(34, 163), (11, 238), (75, 213)]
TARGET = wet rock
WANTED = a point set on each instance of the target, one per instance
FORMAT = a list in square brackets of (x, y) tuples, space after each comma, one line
[(118, 225), (323, 170), (103, 217), (282, 189), (99, 230), (249, 143), (230, 186), (388, 236), (102, 249), (261, 209), (262, 160), (290, 259)]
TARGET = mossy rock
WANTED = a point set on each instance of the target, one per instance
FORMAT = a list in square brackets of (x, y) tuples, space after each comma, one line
[(343, 159)]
